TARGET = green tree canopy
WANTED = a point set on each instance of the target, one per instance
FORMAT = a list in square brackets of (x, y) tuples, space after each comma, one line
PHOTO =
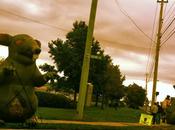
[(53, 77), (114, 88), (68, 57), (135, 96)]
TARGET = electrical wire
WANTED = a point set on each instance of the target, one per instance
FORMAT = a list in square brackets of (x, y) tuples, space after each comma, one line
[(168, 37), (32, 20), (153, 28), (52, 26), (171, 33), (165, 10), (126, 14), (173, 18), (151, 63), (165, 30), (167, 18), (168, 27), (121, 44), (153, 55), (151, 70), (169, 9)]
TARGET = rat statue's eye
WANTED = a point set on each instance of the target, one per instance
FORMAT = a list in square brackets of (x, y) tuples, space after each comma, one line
[(19, 42)]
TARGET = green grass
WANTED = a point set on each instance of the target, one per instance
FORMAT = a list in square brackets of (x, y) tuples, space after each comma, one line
[(92, 114), (56, 114), (110, 114)]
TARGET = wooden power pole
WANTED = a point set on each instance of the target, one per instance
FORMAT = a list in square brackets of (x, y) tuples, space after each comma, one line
[(86, 61), (159, 35)]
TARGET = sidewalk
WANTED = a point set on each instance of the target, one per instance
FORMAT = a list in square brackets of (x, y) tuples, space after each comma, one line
[(43, 121), (90, 123), (106, 124)]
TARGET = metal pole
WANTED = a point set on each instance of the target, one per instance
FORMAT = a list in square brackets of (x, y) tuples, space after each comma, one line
[(86, 61), (159, 35)]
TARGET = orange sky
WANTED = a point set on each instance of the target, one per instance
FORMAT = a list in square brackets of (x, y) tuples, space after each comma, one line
[(118, 36)]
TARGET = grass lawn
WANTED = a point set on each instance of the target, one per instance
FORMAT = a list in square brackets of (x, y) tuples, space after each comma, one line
[(92, 114)]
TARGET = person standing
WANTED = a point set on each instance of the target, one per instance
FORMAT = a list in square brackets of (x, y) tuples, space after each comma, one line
[(165, 104), (159, 113), (154, 110)]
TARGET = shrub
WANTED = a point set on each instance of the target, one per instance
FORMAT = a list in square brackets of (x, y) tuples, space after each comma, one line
[(54, 100)]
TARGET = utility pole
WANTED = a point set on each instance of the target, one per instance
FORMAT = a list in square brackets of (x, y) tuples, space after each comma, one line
[(86, 61), (159, 35)]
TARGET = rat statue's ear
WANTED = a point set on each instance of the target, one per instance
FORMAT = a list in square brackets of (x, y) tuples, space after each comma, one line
[(5, 39), (38, 42)]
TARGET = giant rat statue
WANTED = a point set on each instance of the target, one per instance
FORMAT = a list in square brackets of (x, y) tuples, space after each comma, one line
[(18, 77)]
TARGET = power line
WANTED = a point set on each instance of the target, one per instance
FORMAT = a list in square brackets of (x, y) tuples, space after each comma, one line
[(126, 14), (172, 12), (55, 27), (168, 37), (153, 28), (170, 8), (165, 10), (168, 26), (33, 20), (151, 63), (170, 23), (121, 44), (151, 49), (151, 70), (52, 26)]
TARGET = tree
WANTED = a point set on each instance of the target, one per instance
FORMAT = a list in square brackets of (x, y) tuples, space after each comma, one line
[(97, 75), (52, 77), (135, 96), (68, 55), (114, 89)]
